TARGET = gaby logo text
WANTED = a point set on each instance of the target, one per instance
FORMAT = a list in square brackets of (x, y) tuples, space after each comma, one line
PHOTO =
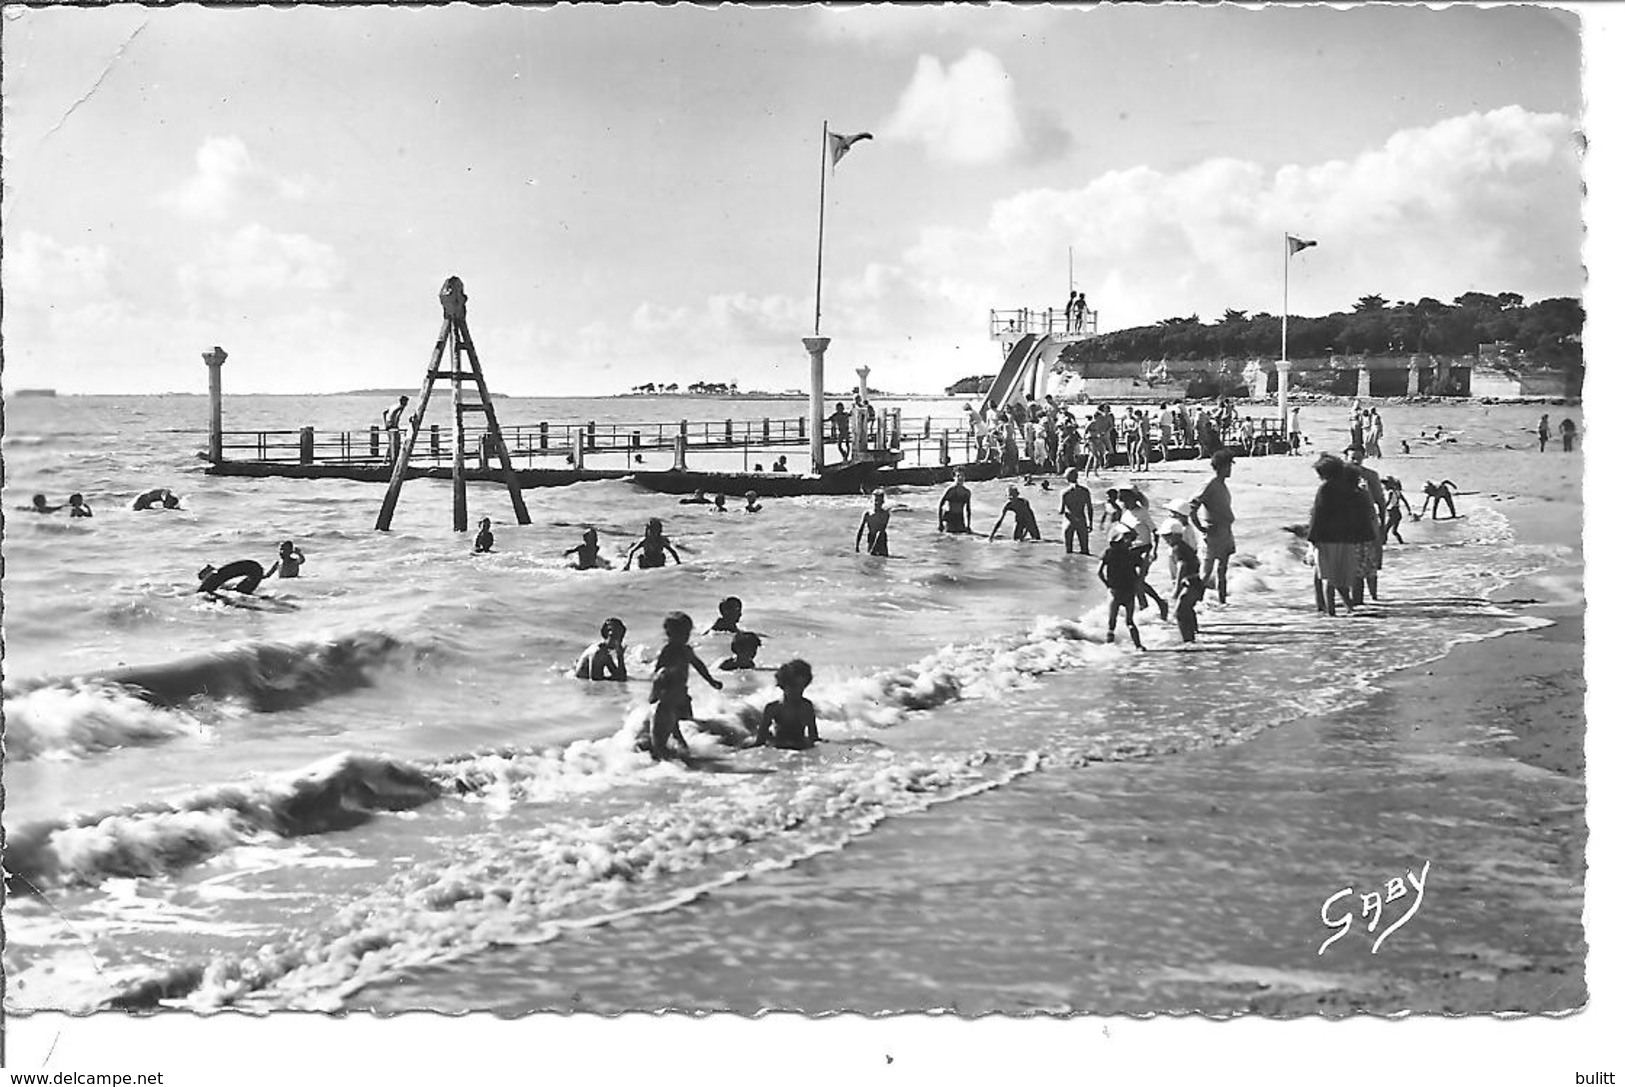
[(1371, 905)]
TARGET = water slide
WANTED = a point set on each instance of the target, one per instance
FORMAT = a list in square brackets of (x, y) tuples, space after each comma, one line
[(1023, 353)]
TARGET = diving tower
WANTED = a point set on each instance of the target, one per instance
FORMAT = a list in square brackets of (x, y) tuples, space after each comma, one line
[(1032, 340)]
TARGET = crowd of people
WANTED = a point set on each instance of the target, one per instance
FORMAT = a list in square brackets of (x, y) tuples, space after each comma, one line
[(1051, 436), (790, 722)]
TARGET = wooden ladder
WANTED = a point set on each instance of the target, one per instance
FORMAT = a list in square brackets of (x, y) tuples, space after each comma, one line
[(454, 334)]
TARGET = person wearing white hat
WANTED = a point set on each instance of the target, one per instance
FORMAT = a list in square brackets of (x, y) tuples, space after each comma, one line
[(1179, 522), (1188, 585), (1120, 571)]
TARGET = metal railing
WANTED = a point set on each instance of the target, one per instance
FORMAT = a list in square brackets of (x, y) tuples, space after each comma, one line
[(1045, 322)]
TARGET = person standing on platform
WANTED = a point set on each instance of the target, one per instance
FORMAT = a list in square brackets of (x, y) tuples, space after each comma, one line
[(392, 427), (840, 421), (1294, 434)]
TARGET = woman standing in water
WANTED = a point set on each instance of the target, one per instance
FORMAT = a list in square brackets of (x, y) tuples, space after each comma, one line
[(1338, 524)]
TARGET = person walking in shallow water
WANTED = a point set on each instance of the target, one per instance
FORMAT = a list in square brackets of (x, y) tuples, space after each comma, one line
[(953, 511), (1543, 432), (874, 523), (1567, 429), (1218, 536)]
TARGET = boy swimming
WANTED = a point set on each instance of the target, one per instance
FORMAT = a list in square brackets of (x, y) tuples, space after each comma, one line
[(651, 550), (730, 609), (605, 659), (669, 692), (288, 560), (744, 648), (790, 722), (586, 553)]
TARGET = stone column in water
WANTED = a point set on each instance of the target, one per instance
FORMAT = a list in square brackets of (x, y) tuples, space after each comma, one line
[(1362, 386), (1283, 371), (860, 420), (214, 360), (1413, 380), (816, 346)]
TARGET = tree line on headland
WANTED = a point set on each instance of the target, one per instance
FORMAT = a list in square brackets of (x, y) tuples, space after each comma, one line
[(697, 388), (1549, 331)]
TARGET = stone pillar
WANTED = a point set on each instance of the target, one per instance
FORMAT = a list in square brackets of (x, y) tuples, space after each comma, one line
[(816, 346), (1283, 380), (214, 360), (863, 382), (1413, 379), (1362, 387), (679, 450)]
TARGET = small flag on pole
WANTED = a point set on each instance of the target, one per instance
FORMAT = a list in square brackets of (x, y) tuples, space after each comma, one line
[(1296, 244), (839, 145)]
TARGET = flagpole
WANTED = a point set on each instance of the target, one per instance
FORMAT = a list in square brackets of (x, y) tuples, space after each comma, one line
[(1286, 270), (818, 288)]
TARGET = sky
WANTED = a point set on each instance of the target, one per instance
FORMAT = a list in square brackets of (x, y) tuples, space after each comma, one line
[(631, 193)]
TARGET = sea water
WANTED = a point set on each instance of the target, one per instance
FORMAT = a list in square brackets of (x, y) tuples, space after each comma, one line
[(394, 767)]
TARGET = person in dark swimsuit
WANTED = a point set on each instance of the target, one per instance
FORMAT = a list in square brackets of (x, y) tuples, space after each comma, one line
[(953, 512), (1026, 524), (39, 505), (1078, 510), (669, 691), (483, 540), (874, 522), (159, 496), (1434, 493), (246, 572), (792, 721), (651, 550), (1122, 572)]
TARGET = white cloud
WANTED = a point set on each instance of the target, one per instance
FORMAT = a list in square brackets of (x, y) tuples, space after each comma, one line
[(967, 113), (38, 267), (226, 174), (256, 260)]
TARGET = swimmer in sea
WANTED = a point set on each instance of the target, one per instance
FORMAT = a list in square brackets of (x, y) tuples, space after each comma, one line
[(790, 722), (1026, 524), (1122, 572), (751, 505), (953, 512), (77, 507), (1434, 493), (605, 659), (1078, 511), (586, 553), (744, 647), (874, 522), (651, 550), (696, 499), (730, 609), (162, 497), (483, 540), (721, 504), (39, 505), (246, 572), (288, 560), (669, 692)]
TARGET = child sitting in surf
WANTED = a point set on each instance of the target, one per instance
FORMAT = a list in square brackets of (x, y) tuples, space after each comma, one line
[(730, 609), (790, 722), (288, 560), (483, 540), (651, 550), (586, 553), (605, 659), (669, 692), (744, 648)]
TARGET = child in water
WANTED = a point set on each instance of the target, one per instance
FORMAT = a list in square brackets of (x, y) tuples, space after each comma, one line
[(744, 648), (1188, 584), (605, 659), (1122, 574), (483, 540), (77, 507), (790, 722), (651, 550), (586, 553), (288, 560), (751, 505), (1396, 498), (669, 692), (729, 611)]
